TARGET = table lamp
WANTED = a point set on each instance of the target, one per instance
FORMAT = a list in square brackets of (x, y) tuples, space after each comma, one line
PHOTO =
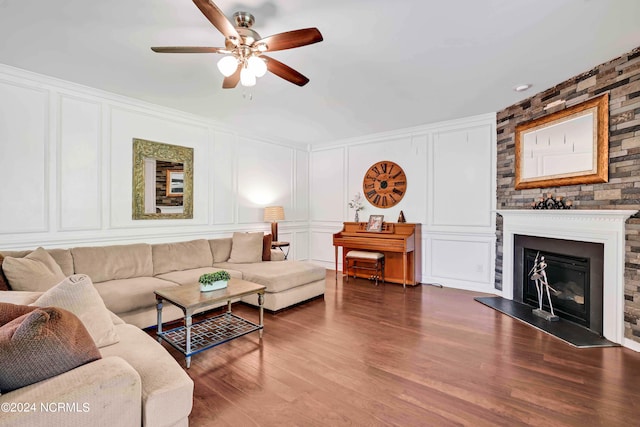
[(273, 214)]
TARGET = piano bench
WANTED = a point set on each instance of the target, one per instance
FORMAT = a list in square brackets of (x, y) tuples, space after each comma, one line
[(374, 261)]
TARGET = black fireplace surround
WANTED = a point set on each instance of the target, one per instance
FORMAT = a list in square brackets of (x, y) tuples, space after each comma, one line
[(574, 270)]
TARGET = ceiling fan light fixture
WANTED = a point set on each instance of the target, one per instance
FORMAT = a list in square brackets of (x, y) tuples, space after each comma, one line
[(228, 65), (247, 78), (245, 50), (257, 66)]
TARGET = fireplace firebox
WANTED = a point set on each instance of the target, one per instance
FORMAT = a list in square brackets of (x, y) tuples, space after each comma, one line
[(575, 274)]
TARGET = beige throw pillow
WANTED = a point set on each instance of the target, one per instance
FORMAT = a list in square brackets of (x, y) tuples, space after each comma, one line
[(246, 248), (78, 295), (36, 272), (221, 249)]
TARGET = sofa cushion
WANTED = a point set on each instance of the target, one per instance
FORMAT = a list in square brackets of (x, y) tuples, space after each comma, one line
[(169, 257), (77, 294), (19, 297), (187, 277), (64, 259), (40, 343), (123, 295), (221, 249), (113, 262), (37, 271), (246, 247), (279, 276), (167, 390)]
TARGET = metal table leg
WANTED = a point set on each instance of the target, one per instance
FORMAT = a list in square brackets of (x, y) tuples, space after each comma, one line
[(187, 325), (159, 308), (261, 305)]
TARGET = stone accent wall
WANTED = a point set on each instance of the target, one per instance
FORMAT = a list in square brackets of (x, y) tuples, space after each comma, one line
[(621, 79)]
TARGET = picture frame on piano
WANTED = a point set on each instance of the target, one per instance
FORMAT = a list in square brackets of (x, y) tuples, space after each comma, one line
[(375, 223)]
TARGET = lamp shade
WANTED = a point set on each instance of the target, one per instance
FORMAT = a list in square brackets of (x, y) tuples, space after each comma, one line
[(257, 66), (273, 213), (228, 65), (247, 78)]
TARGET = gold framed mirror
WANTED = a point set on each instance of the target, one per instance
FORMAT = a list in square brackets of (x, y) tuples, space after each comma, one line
[(567, 147), (162, 180)]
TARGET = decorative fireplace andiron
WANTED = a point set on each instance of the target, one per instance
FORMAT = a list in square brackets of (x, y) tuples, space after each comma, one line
[(539, 276)]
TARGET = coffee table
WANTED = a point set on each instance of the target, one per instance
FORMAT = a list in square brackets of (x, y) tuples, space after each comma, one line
[(190, 338)]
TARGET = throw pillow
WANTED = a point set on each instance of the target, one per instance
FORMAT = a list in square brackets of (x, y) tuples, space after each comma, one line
[(4, 283), (246, 248), (40, 343), (78, 295), (266, 247), (36, 272)]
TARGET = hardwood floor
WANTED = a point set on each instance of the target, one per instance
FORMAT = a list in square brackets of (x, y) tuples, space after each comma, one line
[(380, 356)]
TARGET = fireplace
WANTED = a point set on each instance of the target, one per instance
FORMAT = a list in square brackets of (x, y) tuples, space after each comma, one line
[(605, 227), (574, 271)]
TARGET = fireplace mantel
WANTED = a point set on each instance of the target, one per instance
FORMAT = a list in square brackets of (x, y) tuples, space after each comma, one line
[(598, 226)]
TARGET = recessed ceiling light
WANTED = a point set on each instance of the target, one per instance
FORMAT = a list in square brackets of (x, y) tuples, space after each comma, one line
[(521, 88)]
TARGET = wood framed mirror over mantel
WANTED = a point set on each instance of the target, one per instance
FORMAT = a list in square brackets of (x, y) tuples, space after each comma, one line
[(567, 147)]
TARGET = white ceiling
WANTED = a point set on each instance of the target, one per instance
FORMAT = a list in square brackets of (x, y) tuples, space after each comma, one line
[(383, 64)]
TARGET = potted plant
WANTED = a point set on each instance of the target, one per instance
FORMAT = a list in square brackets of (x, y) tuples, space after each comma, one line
[(214, 281)]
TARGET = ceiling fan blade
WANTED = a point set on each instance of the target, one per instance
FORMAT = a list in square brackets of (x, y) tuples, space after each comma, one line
[(188, 49), (217, 18), (285, 72), (232, 81), (291, 39)]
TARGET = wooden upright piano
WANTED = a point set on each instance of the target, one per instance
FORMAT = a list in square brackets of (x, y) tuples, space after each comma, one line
[(400, 243)]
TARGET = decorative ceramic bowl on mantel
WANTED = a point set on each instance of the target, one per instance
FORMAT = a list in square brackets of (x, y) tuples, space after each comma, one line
[(214, 281)]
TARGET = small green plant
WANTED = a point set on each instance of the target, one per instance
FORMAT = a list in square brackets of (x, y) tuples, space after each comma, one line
[(214, 277)]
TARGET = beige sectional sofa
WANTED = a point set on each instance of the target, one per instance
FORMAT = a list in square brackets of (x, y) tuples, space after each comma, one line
[(126, 275), (137, 369)]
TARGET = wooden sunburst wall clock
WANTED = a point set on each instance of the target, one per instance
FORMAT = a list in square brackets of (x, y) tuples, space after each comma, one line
[(384, 184)]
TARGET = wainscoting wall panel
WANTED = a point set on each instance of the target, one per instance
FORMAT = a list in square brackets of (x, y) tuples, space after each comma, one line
[(327, 185), (301, 185), (464, 187), (321, 245), (460, 261), (222, 194), (24, 158), (79, 163), (265, 178), (300, 248)]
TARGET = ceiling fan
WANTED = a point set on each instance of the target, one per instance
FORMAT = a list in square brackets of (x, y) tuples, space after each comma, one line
[(245, 49)]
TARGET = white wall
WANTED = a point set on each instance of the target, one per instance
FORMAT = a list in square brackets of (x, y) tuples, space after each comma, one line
[(66, 160), (451, 191)]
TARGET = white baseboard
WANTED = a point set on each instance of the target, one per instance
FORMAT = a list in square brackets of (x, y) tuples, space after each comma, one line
[(631, 344)]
